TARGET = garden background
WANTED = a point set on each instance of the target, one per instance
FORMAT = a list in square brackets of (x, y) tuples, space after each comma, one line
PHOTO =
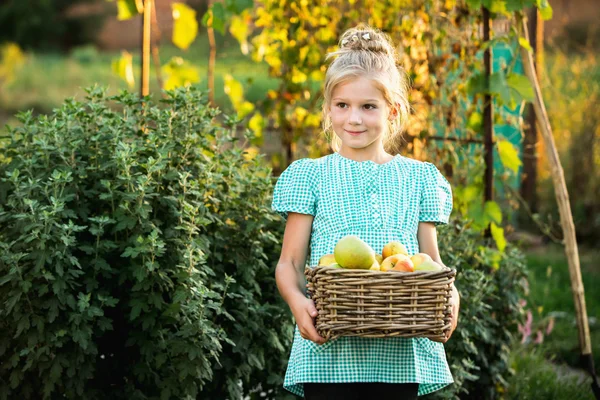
[(160, 283)]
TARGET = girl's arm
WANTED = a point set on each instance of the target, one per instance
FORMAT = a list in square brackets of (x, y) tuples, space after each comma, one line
[(427, 237), (289, 274)]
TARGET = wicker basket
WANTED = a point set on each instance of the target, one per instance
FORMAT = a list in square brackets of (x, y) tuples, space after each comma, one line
[(376, 304)]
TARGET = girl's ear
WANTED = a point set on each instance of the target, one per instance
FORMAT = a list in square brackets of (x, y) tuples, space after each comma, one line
[(393, 112)]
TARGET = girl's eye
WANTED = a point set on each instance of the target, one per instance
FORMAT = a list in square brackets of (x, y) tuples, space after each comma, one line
[(367, 106)]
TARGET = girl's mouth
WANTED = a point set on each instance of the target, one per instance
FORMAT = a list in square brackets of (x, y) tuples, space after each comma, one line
[(355, 133)]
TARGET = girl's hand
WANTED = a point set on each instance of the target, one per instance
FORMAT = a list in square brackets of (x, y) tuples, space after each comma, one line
[(455, 303), (305, 312)]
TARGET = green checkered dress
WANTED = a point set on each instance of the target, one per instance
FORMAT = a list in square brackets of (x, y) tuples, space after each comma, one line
[(379, 203)]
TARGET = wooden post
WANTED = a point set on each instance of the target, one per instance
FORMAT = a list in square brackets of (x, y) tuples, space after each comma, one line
[(146, 36), (488, 116), (564, 208)]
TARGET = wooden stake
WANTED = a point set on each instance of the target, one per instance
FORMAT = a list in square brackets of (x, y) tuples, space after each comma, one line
[(562, 197), (146, 35)]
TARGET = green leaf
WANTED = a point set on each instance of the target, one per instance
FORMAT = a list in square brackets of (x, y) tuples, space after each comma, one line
[(126, 9), (517, 5), (545, 9), (493, 211), (499, 86), (218, 17), (237, 6), (474, 4), (522, 85), (498, 235), (185, 26), (509, 155)]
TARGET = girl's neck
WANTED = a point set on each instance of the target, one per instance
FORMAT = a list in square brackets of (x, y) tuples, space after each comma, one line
[(377, 155)]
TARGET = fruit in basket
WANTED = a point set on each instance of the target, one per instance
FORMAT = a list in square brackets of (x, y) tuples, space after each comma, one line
[(375, 266), (353, 253), (420, 258), (379, 258), (326, 260), (393, 248), (334, 265), (397, 262), (429, 265)]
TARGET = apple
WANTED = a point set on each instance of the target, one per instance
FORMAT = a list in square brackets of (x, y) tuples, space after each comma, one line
[(419, 258), (326, 260), (375, 266), (353, 253), (429, 265), (398, 262), (335, 265), (393, 248), (379, 258)]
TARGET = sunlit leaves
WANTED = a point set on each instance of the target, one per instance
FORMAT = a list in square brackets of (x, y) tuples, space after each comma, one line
[(123, 68), (127, 9), (235, 92), (509, 155), (545, 9), (498, 235), (11, 59), (179, 72), (239, 28), (185, 26)]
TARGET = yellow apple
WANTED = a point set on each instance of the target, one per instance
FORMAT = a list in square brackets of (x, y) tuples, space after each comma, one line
[(326, 260), (397, 262), (393, 248), (375, 266), (429, 265), (379, 258), (419, 258)]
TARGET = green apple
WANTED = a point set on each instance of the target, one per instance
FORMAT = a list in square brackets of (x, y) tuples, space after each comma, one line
[(353, 253)]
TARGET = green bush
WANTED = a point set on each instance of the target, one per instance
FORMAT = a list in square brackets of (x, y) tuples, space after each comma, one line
[(491, 284), (136, 245)]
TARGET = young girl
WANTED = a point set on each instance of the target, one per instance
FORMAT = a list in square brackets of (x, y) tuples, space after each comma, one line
[(360, 189)]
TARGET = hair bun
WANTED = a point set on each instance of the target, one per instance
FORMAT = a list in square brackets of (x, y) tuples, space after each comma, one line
[(365, 38)]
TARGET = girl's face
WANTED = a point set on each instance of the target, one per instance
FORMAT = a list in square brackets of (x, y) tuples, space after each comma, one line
[(359, 114)]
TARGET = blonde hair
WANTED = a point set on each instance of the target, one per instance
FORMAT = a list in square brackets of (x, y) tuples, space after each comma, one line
[(368, 52)]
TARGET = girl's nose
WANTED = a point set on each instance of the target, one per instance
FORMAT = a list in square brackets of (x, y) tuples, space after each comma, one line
[(355, 117)]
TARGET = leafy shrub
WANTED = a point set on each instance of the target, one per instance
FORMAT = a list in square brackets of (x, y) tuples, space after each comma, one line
[(135, 251), (491, 284)]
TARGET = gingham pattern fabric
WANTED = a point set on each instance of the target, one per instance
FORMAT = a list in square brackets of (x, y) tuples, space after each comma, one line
[(378, 203)]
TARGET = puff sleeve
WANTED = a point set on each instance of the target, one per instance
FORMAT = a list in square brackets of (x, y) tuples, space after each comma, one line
[(295, 189), (436, 196)]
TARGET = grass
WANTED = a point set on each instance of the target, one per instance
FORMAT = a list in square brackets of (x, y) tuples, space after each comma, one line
[(47, 79), (551, 297), (551, 369), (535, 378)]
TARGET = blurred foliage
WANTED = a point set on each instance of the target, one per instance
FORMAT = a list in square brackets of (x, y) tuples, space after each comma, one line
[(46, 24), (571, 83), (11, 59)]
